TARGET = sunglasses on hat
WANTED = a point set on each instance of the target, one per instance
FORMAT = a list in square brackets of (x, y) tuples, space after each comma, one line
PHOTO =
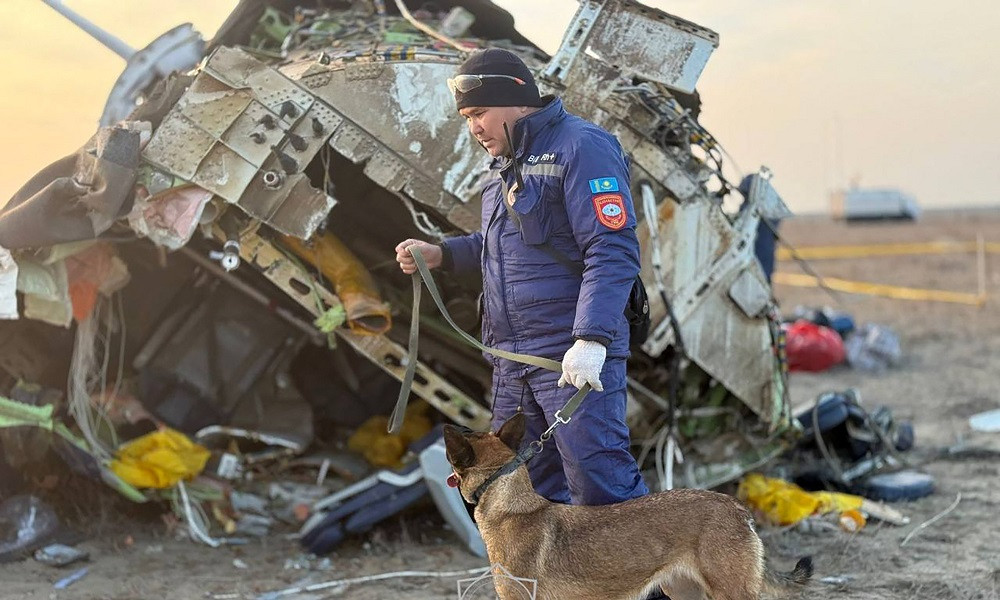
[(467, 83)]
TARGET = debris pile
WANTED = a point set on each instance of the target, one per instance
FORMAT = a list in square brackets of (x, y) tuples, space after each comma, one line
[(213, 275)]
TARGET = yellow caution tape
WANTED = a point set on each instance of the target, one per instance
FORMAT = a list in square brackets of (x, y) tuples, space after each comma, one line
[(878, 289), (831, 252)]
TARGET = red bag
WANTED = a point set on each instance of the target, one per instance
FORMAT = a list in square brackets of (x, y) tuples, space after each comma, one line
[(812, 347)]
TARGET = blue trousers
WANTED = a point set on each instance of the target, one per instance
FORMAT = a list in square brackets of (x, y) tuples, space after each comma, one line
[(589, 463)]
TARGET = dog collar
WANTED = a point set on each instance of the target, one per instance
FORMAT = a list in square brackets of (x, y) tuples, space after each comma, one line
[(522, 457)]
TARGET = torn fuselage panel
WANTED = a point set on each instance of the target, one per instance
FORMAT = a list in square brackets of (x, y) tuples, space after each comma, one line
[(246, 133), (636, 39), (402, 123)]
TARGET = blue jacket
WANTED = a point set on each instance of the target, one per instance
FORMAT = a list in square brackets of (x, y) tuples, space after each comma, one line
[(575, 198)]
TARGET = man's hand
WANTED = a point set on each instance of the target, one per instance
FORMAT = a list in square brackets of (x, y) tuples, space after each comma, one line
[(432, 255), (582, 364)]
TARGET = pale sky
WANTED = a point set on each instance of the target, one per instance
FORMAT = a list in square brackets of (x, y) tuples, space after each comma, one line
[(899, 93)]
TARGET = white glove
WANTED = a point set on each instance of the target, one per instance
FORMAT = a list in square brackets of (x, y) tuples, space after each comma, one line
[(582, 364)]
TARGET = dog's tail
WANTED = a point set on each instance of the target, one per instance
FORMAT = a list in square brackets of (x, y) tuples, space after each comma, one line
[(781, 584)]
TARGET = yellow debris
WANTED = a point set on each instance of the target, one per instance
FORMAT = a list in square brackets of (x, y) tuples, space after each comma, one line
[(367, 314), (852, 520), (383, 449), (784, 503), (159, 459)]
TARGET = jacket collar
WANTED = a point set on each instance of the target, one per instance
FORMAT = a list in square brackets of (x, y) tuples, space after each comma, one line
[(528, 127)]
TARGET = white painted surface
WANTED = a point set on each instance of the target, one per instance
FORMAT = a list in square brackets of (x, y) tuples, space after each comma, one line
[(421, 96)]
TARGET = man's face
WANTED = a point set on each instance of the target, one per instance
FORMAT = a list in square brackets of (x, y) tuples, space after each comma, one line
[(486, 125)]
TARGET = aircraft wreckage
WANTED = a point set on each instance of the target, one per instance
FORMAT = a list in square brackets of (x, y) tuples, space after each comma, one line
[(218, 258)]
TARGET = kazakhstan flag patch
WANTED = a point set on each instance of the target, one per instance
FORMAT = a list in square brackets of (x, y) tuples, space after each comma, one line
[(604, 184)]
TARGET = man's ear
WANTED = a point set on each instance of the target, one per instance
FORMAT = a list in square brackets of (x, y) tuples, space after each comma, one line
[(512, 431), (458, 449)]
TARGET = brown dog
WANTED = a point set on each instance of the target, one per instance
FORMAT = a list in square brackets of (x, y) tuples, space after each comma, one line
[(686, 542)]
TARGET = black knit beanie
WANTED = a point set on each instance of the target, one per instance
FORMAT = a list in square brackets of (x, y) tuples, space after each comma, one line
[(498, 91)]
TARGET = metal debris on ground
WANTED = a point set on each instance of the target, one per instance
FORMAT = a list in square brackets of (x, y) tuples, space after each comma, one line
[(986, 422), (846, 443), (839, 580), (932, 520), (308, 562), (60, 555), (28, 523), (69, 580)]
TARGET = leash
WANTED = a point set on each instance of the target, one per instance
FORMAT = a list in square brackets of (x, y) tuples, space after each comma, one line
[(423, 277)]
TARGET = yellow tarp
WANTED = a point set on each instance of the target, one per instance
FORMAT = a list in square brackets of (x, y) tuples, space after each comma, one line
[(784, 503), (159, 459)]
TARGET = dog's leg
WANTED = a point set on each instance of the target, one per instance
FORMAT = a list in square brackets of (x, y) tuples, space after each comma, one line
[(682, 588), (733, 560), (735, 575)]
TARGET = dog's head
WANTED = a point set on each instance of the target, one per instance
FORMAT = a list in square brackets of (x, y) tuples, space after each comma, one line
[(475, 455)]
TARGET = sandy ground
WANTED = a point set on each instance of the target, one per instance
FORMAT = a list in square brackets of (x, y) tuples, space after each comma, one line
[(950, 371)]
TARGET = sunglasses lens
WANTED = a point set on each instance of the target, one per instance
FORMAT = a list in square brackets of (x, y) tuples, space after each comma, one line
[(464, 83)]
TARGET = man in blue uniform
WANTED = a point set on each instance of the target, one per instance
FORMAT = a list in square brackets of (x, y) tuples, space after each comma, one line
[(575, 203)]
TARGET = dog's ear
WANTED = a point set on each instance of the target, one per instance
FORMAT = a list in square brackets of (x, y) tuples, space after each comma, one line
[(458, 449), (512, 431)]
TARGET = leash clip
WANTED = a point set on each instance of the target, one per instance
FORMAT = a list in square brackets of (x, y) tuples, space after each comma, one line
[(559, 421), (559, 418)]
